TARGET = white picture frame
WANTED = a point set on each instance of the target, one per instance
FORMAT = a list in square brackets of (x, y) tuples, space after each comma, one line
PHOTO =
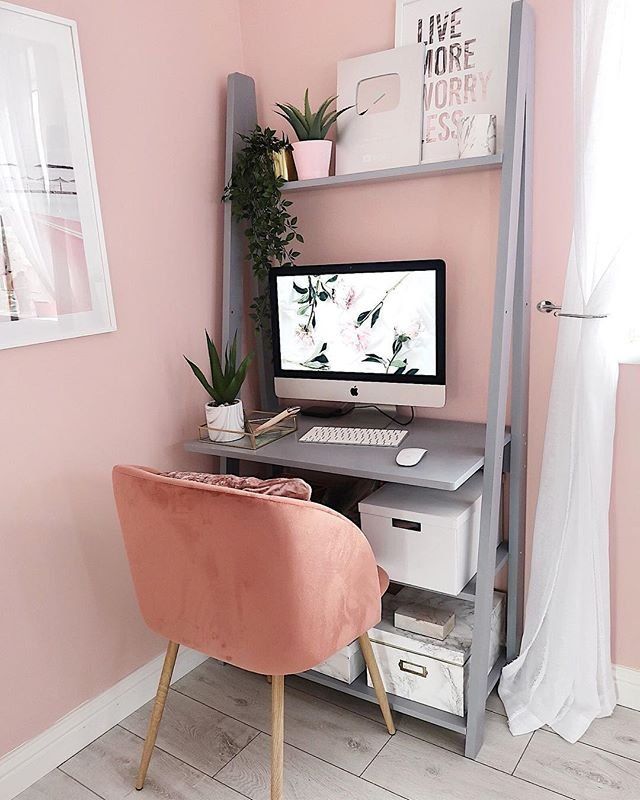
[(54, 274), (466, 64)]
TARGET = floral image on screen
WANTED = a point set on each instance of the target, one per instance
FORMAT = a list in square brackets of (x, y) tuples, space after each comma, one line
[(371, 323)]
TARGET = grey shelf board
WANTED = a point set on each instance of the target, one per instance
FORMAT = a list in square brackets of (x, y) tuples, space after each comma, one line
[(360, 689), (502, 557), (494, 675), (397, 173), (455, 451)]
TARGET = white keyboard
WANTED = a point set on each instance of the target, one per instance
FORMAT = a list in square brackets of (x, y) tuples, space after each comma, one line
[(374, 437)]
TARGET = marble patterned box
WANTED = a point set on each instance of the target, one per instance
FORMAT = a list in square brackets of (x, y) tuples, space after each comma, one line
[(431, 671), (345, 665)]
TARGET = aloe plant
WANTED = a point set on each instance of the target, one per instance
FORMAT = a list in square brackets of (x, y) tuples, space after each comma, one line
[(226, 383), (309, 125)]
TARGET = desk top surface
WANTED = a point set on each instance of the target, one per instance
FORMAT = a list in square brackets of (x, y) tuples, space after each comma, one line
[(455, 451)]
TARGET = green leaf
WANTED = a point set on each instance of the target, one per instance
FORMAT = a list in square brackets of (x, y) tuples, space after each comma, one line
[(331, 119), (315, 129), (233, 390), (299, 289), (401, 369), (323, 348), (205, 383), (214, 361), (374, 358), (307, 108), (230, 366), (375, 316), (362, 317), (322, 359), (331, 280), (412, 372), (300, 129)]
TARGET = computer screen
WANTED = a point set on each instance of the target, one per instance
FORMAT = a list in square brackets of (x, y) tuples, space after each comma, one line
[(380, 322)]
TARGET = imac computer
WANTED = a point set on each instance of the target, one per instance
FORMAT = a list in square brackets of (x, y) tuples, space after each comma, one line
[(360, 333)]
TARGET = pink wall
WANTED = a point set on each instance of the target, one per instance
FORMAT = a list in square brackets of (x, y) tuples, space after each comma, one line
[(155, 77), (454, 218), (155, 83)]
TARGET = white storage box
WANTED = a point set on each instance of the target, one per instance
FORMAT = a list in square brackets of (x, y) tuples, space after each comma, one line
[(431, 671), (345, 665), (425, 537)]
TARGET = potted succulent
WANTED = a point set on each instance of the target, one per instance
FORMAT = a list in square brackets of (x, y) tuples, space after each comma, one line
[(224, 412), (312, 153)]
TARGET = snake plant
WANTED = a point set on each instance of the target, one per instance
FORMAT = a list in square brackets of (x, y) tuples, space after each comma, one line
[(310, 125), (225, 383)]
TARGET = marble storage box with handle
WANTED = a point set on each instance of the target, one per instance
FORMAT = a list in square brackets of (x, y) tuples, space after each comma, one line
[(431, 671), (345, 665), (425, 537)]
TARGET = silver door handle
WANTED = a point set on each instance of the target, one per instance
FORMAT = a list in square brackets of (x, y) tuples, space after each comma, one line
[(549, 307)]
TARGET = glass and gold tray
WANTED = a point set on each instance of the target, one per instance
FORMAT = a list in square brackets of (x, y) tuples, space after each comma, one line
[(249, 439)]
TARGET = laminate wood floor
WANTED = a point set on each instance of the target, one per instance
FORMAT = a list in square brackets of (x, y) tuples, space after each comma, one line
[(214, 745)]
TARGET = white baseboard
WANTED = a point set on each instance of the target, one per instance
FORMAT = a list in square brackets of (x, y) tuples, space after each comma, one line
[(628, 686), (28, 763)]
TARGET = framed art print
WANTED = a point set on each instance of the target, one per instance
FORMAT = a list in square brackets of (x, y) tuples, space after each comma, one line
[(466, 60), (54, 278), (382, 126)]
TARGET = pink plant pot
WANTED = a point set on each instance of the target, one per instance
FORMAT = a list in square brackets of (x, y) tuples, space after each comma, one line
[(312, 158)]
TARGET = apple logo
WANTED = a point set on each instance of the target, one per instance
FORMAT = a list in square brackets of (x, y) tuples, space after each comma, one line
[(354, 391)]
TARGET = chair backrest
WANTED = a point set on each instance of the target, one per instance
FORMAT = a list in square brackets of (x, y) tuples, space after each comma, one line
[(269, 584)]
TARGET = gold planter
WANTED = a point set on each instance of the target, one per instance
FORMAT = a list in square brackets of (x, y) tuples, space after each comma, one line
[(283, 164)]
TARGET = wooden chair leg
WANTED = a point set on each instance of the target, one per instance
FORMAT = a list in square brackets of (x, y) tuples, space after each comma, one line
[(372, 666), (277, 737), (156, 714)]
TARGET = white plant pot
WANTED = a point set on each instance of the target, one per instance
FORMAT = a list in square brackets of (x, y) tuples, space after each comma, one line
[(312, 158), (230, 418)]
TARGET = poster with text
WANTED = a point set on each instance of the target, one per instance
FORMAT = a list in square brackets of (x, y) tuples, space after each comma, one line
[(467, 47)]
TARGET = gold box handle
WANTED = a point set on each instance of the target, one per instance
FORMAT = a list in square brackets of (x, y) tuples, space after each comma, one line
[(413, 669)]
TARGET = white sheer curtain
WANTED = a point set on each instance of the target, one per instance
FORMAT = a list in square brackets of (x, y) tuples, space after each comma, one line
[(563, 676)]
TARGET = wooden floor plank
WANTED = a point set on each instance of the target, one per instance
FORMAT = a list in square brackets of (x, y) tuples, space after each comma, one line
[(421, 771), (345, 739), (579, 771), (57, 786), (193, 732), (500, 750), (619, 734), (305, 777), (108, 767), (346, 701)]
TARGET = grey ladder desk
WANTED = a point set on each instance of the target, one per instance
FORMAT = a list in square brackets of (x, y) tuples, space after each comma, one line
[(457, 450)]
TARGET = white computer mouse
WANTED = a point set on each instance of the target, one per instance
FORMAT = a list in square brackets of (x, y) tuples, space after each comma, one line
[(410, 456)]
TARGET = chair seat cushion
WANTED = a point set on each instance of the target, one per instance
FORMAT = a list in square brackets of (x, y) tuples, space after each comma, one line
[(294, 488)]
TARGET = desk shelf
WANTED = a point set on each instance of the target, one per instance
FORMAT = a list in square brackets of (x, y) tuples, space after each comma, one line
[(397, 173), (455, 452), (401, 705)]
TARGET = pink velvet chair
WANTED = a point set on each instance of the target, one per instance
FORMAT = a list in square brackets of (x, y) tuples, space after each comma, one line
[(272, 585)]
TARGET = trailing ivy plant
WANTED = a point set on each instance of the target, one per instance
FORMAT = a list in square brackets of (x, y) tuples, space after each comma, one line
[(254, 192)]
